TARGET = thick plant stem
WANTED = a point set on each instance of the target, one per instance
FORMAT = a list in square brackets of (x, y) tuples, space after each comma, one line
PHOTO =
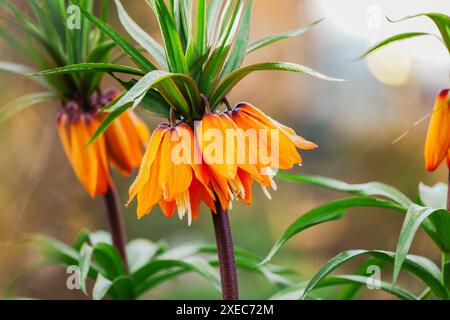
[(225, 252), (115, 221)]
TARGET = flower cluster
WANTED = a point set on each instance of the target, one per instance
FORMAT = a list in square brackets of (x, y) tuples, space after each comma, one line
[(214, 160), (121, 146)]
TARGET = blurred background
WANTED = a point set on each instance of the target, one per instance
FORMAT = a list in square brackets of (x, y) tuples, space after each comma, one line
[(354, 124)]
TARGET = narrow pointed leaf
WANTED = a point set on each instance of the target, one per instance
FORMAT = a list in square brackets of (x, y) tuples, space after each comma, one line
[(282, 36), (442, 21), (236, 76), (392, 39), (415, 216), (360, 189), (174, 49), (240, 44), (90, 67), (421, 267), (213, 12), (140, 36), (101, 287), (108, 258), (325, 213), (297, 291), (134, 53), (84, 265), (24, 102)]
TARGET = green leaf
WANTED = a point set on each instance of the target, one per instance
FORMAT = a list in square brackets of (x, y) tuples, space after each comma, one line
[(108, 258), (122, 288), (236, 76), (172, 41), (414, 218), (100, 236), (201, 29), (108, 120), (392, 39), (282, 36), (193, 264), (81, 239), (161, 80), (421, 267), (325, 213), (56, 251), (84, 264), (442, 21), (213, 11), (215, 63), (249, 261), (101, 287), (296, 292), (238, 51), (140, 252), (152, 101), (15, 68), (363, 189), (90, 67), (435, 196), (25, 101), (126, 46), (140, 36)]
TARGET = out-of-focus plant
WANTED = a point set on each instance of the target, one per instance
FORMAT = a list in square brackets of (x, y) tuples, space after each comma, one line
[(187, 79), (50, 35), (428, 213), (93, 259)]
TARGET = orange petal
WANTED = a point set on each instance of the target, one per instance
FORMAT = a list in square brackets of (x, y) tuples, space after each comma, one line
[(300, 142), (120, 147), (104, 180), (137, 133), (168, 208), (147, 161), (247, 182), (175, 176), (64, 133), (438, 138), (150, 194), (219, 152), (84, 158)]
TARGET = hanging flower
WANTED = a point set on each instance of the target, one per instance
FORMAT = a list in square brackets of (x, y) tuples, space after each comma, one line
[(120, 146), (169, 175), (437, 144), (243, 144), (124, 138)]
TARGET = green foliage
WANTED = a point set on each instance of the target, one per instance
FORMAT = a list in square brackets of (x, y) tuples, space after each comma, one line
[(441, 21), (47, 42), (149, 264), (205, 43), (428, 213)]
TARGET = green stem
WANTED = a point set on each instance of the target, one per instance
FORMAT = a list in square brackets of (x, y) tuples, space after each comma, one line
[(445, 262)]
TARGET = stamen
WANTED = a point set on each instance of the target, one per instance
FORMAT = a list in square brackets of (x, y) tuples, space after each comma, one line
[(266, 192), (184, 206), (273, 185), (237, 187)]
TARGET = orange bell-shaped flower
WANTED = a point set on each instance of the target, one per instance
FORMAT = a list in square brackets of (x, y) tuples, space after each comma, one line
[(437, 144)]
